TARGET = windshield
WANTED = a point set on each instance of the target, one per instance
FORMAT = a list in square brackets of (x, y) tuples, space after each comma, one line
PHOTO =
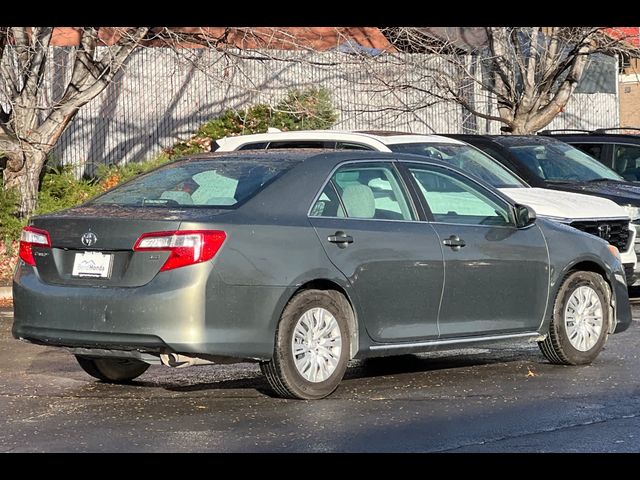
[(467, 158), (562, 163), (210, 183)]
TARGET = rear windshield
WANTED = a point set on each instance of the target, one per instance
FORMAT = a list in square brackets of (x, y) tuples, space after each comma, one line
[(210, 183)]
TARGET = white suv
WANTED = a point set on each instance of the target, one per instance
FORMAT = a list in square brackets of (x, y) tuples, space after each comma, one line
[(585, 212)]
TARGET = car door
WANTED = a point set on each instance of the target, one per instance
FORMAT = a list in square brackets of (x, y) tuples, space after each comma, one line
[(367, 225), (496, 275)]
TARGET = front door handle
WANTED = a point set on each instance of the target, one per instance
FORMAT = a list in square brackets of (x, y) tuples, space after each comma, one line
[(341, 239), (455, 242)]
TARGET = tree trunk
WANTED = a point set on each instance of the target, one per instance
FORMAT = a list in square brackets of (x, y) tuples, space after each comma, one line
[(22, 173), (519, 127)]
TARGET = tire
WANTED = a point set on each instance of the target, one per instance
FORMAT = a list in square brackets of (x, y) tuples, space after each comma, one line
[(291, 381), (558, 347), (112, 370)]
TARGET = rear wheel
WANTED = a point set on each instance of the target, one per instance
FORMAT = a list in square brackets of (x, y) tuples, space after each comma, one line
[(312, 346), (112, 370), (580, 323)]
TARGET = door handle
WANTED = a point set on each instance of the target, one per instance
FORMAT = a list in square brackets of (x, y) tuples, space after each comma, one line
[(340, 238), (455, 242)]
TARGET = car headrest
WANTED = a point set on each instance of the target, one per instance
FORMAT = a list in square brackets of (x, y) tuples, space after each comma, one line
[(359, 201)]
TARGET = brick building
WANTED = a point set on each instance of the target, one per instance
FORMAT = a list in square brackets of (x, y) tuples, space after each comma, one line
[(629, 76)]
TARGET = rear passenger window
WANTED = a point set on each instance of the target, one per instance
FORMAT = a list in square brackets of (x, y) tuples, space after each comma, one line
[(302, 144), (328, 204), (593, 149), (626, 161), (254, 146), (371, 192), (351, 146)]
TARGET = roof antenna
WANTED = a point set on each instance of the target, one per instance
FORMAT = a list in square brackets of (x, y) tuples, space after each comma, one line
[(273, 130)]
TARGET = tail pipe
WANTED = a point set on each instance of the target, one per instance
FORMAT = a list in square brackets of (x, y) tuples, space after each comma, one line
[(176, 360)]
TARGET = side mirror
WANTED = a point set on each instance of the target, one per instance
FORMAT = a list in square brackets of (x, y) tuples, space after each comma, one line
[(525, 216)]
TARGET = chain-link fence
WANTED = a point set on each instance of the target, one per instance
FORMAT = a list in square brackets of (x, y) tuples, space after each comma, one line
[(164, 95)]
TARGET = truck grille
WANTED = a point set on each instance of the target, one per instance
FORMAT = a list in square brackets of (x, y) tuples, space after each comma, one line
[(616, 232)]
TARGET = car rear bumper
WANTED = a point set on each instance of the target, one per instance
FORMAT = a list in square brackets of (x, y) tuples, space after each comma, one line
[(73, 338), (183, 311)]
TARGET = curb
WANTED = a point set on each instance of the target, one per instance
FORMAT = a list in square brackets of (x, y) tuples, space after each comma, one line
[(6, 292)]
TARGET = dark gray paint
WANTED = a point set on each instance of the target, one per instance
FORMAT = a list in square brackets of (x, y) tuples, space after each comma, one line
[(498, 266), (390, 261), (230, 306)]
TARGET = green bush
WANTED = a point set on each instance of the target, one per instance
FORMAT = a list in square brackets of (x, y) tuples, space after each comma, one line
[(10, 224), (111, 175), (60, 189), (305, 110), (309, 109)]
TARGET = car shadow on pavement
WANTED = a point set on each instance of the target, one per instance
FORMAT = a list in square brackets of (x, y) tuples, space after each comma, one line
[(256, 383), (377, 367), (358, 369)]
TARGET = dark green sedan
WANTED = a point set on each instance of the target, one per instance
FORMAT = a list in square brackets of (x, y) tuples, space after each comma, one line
[(303, 260)]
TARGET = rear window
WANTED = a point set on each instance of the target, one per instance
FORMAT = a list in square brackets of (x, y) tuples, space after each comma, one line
[(211, 183)]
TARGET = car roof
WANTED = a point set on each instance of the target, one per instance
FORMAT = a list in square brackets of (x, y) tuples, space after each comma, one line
[(375, 139), (510, 140), (326, 155), (601, 133)]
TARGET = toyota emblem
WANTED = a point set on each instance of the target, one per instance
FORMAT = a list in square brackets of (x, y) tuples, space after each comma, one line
[(88, 239)]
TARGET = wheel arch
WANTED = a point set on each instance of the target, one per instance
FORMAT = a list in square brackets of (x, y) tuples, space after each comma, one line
[(587, 266), (590, 265), (330, 285)]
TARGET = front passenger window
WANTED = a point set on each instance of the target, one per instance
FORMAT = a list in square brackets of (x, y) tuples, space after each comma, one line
[(453, 198)]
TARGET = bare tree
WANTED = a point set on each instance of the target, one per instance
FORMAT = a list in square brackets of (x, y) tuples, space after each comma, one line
[(32, 122), (530, 72), (35, 108)]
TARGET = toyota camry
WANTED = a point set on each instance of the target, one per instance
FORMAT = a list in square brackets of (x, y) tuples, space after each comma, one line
[(302, 260)]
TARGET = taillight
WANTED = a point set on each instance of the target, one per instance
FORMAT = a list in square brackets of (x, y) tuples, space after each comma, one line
[(186, 247), (32, 237)]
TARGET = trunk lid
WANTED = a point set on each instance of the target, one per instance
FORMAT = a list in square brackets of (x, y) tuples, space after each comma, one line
[(111, 231)]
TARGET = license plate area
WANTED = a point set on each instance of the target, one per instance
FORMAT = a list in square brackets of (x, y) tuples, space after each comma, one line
[(92, 265)]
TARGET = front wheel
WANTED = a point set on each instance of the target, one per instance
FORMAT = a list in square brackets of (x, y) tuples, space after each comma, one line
[(580, 323), (112, 370), (312, 346)]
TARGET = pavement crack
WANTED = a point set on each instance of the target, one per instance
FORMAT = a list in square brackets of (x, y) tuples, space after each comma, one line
[(537, 432)]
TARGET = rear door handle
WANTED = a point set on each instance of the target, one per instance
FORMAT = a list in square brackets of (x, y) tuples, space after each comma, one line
[(340, 238), (455, 242)]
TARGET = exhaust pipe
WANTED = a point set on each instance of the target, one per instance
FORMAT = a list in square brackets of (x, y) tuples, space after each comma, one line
[(176, 360)]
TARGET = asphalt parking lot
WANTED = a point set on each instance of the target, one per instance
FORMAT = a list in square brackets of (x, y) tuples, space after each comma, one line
[(506, 399)]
